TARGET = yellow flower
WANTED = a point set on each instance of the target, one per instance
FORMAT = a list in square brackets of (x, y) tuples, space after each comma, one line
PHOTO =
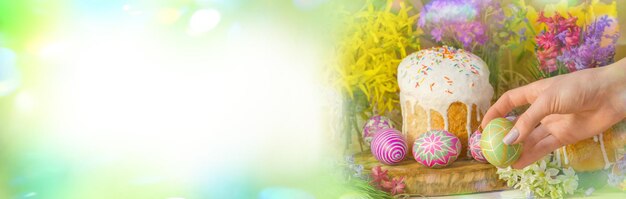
[(586, 12), (372, 44)]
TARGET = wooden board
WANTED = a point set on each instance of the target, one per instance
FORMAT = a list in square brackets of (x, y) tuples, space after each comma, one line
[(462, 177)]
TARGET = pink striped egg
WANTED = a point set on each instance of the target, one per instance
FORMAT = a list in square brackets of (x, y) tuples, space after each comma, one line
[(474, 147), (388, 146)]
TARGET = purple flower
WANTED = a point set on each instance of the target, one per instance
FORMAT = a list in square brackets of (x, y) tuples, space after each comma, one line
[(469, 33), (448, 11), (589, 53), (522, 33), (621, 164), (436, 33), (466, 23), (349, 159)]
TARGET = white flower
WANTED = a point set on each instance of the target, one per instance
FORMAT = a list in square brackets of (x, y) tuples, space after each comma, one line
[(570, 180), (542, 179), (540, 167), (550, 176)]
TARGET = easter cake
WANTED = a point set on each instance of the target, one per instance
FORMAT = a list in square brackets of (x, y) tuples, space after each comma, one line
[(444, 93), (443, 88), (596, 153)]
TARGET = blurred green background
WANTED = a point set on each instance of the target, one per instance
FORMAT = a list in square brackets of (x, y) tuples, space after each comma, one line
[(162, 99)]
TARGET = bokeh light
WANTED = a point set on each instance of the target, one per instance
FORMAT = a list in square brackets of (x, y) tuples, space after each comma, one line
[(161, 99), (9, 76), (203, 21)]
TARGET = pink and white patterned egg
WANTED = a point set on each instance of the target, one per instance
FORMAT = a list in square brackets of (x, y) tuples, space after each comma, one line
[(474, 147), (436, 148), (373, 125), (388, 146)]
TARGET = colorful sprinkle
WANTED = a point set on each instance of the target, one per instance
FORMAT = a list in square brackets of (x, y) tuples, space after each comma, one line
[(448, 80), (428, 59), (447, 54)]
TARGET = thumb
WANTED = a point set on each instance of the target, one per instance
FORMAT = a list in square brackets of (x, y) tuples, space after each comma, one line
[(530, 119)]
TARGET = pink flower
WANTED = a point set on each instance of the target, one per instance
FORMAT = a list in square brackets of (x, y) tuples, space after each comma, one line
[(557, 23), (395, 186), (572, 37), (547, 40), (379, 175), (544, 19), (561, 35), (568, 23), (380, 179), (547, 59)]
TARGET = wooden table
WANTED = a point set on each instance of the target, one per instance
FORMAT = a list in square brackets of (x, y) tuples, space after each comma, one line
[(462, 177)]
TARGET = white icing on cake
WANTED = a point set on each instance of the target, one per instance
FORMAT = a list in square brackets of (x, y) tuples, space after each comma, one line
[(607, 164), (596, 138), (565, 158), (557, 155), (605, 157), (437, 77)]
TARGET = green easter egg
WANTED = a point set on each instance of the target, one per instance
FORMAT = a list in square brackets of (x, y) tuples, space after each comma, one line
[(494, 150)]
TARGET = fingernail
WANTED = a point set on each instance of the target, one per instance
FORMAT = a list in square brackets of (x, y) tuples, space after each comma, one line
[(511, 136)]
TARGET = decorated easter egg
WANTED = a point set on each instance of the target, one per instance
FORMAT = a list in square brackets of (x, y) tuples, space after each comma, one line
[(436, 148), (373, 125), (474, 147), (494, 150), (388, 146)]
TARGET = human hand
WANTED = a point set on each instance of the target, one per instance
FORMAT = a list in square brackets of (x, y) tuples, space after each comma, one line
[(564, 110)]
